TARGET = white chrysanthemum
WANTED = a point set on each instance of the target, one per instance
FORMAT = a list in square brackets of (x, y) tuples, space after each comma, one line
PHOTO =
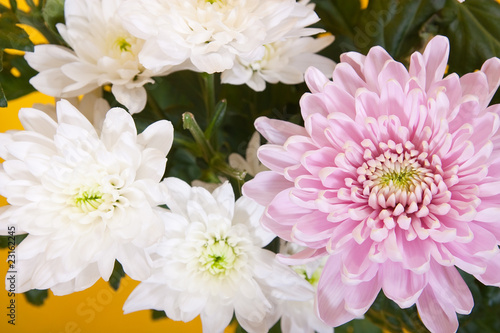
[(102, 52), (210, 33), (91, 105), (211, 263), (300, 316), (84, 198), (250, 164), (283, 61)]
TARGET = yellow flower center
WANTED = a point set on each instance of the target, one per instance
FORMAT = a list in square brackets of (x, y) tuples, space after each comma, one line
[(218, 257), (88, 199), (123, 44)]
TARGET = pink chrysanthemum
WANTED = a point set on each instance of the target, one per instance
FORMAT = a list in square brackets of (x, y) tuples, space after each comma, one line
[(396, 176)]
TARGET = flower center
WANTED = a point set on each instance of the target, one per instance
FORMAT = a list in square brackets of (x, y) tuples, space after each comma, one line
[(404, 186), (399, 176), (218, 257), (402, 179), (88, 199), (313, 278), (103, 194), (123, 44), (269, 52)]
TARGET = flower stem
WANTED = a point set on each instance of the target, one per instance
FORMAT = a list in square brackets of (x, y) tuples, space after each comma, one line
[(155, 108), (210, 156), (208, 89), (189, 123)]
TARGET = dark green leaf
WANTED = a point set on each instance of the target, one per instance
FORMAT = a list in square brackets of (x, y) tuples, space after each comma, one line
[(484, 315), (5, 240), (13, 5), (155, 314), (387, 315), (338, 16), (116, 276), (3, 100), (474, 32), (395, 25), (12, 36), (36, 297), (358, 325), (18, 85), (218, 118), (53, 13), (185, 166)]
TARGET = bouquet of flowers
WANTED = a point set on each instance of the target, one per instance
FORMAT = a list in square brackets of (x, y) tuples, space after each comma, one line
[(374, 195)]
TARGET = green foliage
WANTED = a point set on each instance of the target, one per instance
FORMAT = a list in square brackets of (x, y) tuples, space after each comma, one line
[(484, 315), (12, 36), (116, 276), (53, 13), (474, 32), (358, 326), (15, 76), (387, 315), (36, 297), (396, 25), (4, 240), (155, 314)]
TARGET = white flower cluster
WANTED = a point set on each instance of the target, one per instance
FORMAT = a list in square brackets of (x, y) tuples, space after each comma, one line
[(88, 189), (88, 194), (124, 43)]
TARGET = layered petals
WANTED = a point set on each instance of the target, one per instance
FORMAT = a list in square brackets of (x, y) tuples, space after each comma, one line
[(396, 173), (85, 195)]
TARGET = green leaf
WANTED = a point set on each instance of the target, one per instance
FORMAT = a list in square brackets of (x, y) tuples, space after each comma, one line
[(217, 119), (13, 5), (155, 314), (338, 16), (474, 32), (395, 25), (12, 36), (387, 315), (358, 325), (116, 276), (36, 297), (4, 240), (53, 13), (484, 315), (15, 76), (3, 100)]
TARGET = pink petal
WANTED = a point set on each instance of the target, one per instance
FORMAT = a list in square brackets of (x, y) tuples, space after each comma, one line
[(356, 60), (375, 60), (275, 157), (271, 181), (346, 78), (436, 317), (356, 262), (449, 285), (314, 104), (330, 295), (491, 276), (491, 68), (277, 131), (436, 57), (315, 79), (359, 298), (402, 285)]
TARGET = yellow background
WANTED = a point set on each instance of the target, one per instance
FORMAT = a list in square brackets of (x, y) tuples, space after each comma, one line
[(97, 309)]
